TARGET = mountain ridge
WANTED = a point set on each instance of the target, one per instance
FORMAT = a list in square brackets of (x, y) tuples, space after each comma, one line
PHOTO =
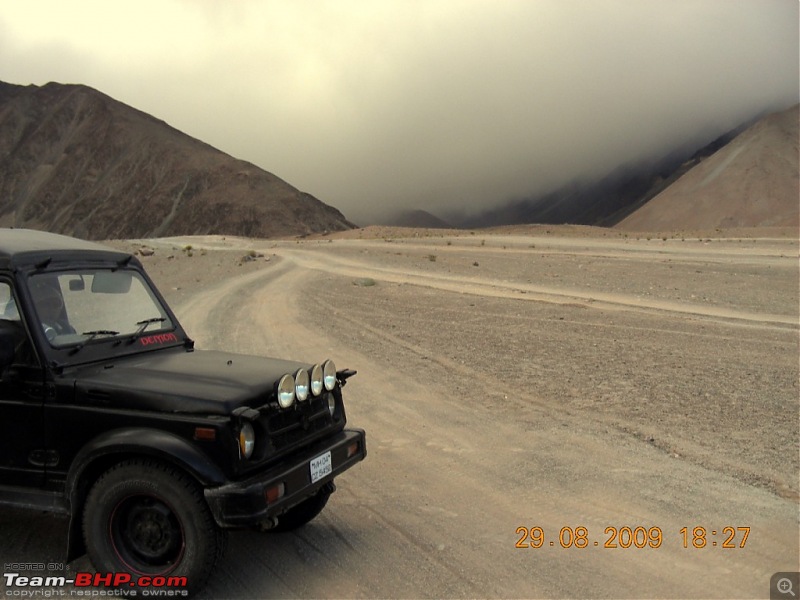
[(611, 199), (604, 201), (752, 181), (75, 161)]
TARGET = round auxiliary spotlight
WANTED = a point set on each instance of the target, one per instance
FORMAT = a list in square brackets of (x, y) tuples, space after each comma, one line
[(301, 385), (329, 375), (316, 380), (286, 391)]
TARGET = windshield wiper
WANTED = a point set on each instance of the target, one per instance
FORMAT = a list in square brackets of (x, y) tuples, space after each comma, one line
[(92, 335), (143, 325)]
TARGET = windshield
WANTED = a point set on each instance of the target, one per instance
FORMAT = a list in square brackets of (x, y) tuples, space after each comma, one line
[(76, 307)]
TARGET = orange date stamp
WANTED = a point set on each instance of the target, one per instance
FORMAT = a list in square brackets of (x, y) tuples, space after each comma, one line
[(697, 537)]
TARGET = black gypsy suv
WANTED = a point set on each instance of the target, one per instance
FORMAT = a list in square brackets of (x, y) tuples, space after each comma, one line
[(108, 414)]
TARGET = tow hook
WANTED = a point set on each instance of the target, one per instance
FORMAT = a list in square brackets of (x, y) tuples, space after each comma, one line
[(267, 524)]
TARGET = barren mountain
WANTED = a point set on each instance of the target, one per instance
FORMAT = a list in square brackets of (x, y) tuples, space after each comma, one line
[(605, 201), (744, 178), (75, 161), (752, 181)]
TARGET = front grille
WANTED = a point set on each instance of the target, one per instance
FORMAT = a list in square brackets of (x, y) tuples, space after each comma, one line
[(288, 428)]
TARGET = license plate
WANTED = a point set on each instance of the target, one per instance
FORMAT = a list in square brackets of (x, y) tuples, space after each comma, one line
[(320, 467)]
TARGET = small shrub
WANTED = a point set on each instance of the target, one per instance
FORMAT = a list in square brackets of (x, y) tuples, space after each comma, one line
[(365, 282)]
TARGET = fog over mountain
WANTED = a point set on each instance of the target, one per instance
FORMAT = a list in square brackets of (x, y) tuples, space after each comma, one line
[(751, 181), (446, 105), (604, 201)]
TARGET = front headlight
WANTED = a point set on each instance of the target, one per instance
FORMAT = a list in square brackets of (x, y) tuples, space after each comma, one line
[(301, 383), (316, 380), (286, 391), (331, 404), (329, 375), (247, 440)]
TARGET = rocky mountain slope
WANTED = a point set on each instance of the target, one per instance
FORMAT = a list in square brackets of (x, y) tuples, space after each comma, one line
[(750, 182), (601, 202), (75, 161), (767, 174)]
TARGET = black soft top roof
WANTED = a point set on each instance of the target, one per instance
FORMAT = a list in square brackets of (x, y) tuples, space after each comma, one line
[(20, 247)]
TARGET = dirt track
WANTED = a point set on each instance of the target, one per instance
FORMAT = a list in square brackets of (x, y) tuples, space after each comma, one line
[(556, 384), (513, 381)]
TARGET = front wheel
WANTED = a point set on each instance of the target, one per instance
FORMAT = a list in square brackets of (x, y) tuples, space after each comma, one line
[(149, 519)]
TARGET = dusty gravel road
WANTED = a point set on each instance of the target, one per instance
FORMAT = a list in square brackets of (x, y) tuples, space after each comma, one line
[(510, 382)]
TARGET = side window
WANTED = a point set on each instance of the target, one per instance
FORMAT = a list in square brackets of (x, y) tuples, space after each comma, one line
[(11, 323), (8, 306)]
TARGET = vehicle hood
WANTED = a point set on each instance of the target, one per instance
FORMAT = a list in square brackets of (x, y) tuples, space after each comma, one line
[(200, 382)]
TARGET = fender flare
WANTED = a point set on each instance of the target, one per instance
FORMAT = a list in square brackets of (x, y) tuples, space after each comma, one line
[(135, 441)]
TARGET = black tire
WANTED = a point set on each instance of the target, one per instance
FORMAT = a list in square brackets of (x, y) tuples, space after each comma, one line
[(299, 515), (146, 518)]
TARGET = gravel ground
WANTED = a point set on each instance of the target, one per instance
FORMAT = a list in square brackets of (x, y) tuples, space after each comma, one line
[(724, 395), (719, 391), (573, 380)]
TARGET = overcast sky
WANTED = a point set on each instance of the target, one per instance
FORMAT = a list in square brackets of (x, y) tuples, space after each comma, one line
[(433, 104)]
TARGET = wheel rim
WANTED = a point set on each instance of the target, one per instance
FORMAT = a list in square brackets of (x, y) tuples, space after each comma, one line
[(146, 535)]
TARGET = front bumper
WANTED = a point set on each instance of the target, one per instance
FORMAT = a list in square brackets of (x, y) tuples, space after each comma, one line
[(244, 503)]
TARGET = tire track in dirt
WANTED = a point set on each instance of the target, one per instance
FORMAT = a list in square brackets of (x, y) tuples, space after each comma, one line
[(279, 331), (434, 509), (329, 263)]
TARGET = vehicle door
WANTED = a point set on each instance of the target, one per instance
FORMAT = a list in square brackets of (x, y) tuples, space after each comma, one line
[(23, 457)]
